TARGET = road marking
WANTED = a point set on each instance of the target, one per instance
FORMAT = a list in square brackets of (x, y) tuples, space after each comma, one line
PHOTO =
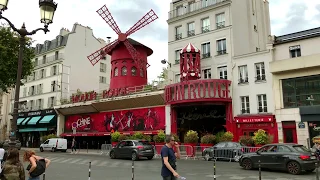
[(115, 164), (84, 162), (66, 160), (211, 176), (94, 162), (57, 160), (237, 177), (104, 163), (74, 161)]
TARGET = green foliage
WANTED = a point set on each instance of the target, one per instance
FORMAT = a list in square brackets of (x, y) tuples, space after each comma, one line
[(176, 137), (44, 138), (226, 137), (147, 137), (160, 137), (9, 51), (246, 140), (137, 135), (208, 139), (191, 137), (123, 137), (260, 137), (115, 136), (219, 136)]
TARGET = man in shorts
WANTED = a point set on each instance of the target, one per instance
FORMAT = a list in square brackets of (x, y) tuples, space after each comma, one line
[(168, 156)]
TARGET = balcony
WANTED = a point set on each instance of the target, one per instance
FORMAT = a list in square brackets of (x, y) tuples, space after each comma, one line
[(206, 55), (191, 33), (243, 80), (221, 52), (260, 78), (177, 61), (194, 7), (220, 25), (49, 60), (178, 36), (205, 29)]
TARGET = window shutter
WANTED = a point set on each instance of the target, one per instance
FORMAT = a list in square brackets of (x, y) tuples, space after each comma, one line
[(48, 105), (42, 103), (51, 71), (44, 73), (29, 93)]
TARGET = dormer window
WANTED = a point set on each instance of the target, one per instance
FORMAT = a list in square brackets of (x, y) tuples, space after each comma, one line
[(38, 48), (59, 40), (46, 45)]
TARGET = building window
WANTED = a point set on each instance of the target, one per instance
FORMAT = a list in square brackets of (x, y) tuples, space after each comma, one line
[(205, 25), (191, 29), (59, 38), (141, 72), (178, 32), (133, 71), (223, 72), (221, 46), (103, 67), (31, 90), (53, 86), (260, 72), (53, 71), (24, 92), (123, 71), (33, 76), (243, 74), (44, 59), (39, 88), (262, 103), (31, 105), (295, 51), (56, 55), (42, 73), (39, 104), (51, 102), (177, 56), (205, 50), (302, 91), (177, 78), (36, 62), (207, 73), (102, 79), (245, 105), (116, 72), (47, 44), (220, 20), (192, 6), (179, 10)]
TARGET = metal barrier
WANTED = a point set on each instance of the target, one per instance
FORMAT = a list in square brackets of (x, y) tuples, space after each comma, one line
[(186, 151), (105, 149)]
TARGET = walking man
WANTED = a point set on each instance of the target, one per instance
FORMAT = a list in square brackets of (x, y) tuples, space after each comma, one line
[(168, 156), (74, 146)]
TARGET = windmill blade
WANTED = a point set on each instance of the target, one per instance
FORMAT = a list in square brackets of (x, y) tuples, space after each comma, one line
[(134, 54), (95, 57), (106, 16), (145, 20)]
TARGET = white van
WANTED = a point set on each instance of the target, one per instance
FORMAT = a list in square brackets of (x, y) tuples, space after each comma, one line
[(54, 144)]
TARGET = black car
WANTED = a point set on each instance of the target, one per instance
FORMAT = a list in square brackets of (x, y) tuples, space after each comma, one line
[(224, 150), (294, 158), (134, 149)]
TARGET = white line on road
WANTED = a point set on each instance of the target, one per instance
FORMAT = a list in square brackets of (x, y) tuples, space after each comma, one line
[(84, 162), (115, 164), (74, 161), (57, 160), (94, 162), (66, 160), (104, 163)]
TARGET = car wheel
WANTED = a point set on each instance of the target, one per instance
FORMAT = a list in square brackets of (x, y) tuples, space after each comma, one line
[(151, 157), (112, 155), (247, 164), (293, 168), (310, 170), (207, 156), (41, 149), (134, 156)]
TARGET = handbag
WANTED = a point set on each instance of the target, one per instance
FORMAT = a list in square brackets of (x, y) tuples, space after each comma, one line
[(40, 169)]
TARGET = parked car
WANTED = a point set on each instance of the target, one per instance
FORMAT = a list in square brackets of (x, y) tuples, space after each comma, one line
[(294, 158), (54, 144), (6, 144), (134, 149), (225, 150)]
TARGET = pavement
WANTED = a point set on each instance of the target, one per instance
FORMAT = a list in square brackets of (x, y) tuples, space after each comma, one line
[(66, 166)]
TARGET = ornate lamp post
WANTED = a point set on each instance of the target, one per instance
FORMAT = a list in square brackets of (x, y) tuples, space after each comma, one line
[(47, 9)]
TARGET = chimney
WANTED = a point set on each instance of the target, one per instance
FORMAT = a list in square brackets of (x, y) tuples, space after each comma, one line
[(108, 41)]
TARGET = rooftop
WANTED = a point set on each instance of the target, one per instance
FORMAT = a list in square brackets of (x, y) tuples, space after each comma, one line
[(306, 34)]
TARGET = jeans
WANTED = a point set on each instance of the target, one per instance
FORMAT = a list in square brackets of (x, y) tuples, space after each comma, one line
[(73, 148), (169, 178), (34, 178)]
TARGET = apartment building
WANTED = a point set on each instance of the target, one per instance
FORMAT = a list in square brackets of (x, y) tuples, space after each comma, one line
[(5, 117), (61, 68), (232, 37), (296, 85)]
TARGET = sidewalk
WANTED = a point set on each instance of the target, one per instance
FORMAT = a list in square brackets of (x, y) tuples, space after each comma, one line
[(80, 151)]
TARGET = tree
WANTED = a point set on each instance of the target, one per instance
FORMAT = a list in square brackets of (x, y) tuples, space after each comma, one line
[(9, 51)]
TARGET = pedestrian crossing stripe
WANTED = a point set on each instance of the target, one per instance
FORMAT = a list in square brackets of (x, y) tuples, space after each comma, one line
[(115, 164), (86, 161), (104, 163), (75, 161), (66, 160), (94, 162)]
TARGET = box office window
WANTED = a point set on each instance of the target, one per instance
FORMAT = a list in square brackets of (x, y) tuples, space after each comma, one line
[(302, 91)]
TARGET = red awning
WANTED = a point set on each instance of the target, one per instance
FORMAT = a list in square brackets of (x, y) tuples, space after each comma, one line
[(254, 119), (106, 133)]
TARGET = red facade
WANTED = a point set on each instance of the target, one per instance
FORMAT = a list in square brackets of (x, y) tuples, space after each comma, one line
[(148, 120)]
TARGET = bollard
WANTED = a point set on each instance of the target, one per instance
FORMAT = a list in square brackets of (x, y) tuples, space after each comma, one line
[(132, 169), (317, 172), (87, 148), (89, 171), (98, 146), (259, 170), (214, 169), (44, 176)]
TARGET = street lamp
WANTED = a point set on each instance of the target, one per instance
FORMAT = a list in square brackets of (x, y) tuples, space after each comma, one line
[(163, 61), (47, 9)]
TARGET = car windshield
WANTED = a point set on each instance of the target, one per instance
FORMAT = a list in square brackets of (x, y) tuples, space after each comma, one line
[(143, 143), (301, 149)]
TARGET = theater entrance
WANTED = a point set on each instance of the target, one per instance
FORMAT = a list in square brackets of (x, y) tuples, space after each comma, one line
[(201, 118)]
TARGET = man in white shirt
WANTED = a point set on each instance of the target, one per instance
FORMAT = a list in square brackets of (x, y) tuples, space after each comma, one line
[(2, 152)]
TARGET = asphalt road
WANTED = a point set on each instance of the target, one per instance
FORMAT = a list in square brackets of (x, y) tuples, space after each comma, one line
[(67, 166)]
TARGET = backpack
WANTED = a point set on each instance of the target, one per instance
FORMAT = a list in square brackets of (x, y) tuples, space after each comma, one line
[(40, 169)]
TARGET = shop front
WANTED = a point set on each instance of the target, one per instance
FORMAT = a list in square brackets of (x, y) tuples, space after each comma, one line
[(247, 125), (311, 116), (33, 125)]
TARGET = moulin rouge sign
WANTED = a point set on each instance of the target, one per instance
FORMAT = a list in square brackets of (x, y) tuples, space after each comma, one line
[(90, 96), (196, 90)]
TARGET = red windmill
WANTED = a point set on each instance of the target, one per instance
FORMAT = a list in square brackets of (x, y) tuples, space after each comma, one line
[(125, 53)]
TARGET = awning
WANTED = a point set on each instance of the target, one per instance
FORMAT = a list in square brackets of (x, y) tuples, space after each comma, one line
[(46, 119), (106, 133), (33, 129), (310, 113), (20, 120), (25, 121), (34, 120)]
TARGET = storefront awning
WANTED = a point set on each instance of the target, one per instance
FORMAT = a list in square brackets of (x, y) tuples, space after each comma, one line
[(106, 133), (310, 113), (33, 129), (25, 121), (46, 119), (20, 120), (34, 120)]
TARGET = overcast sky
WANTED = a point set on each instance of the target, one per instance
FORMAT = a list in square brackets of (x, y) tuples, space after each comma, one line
[(287, 16)]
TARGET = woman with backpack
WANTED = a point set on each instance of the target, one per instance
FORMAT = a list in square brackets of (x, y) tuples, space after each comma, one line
[(37, 165), (13, 168)]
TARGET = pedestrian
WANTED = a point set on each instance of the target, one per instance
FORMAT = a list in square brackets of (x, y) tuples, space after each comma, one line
[(74, 146), (32, 158), (13, 168), (168, 156), (2, 152)]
